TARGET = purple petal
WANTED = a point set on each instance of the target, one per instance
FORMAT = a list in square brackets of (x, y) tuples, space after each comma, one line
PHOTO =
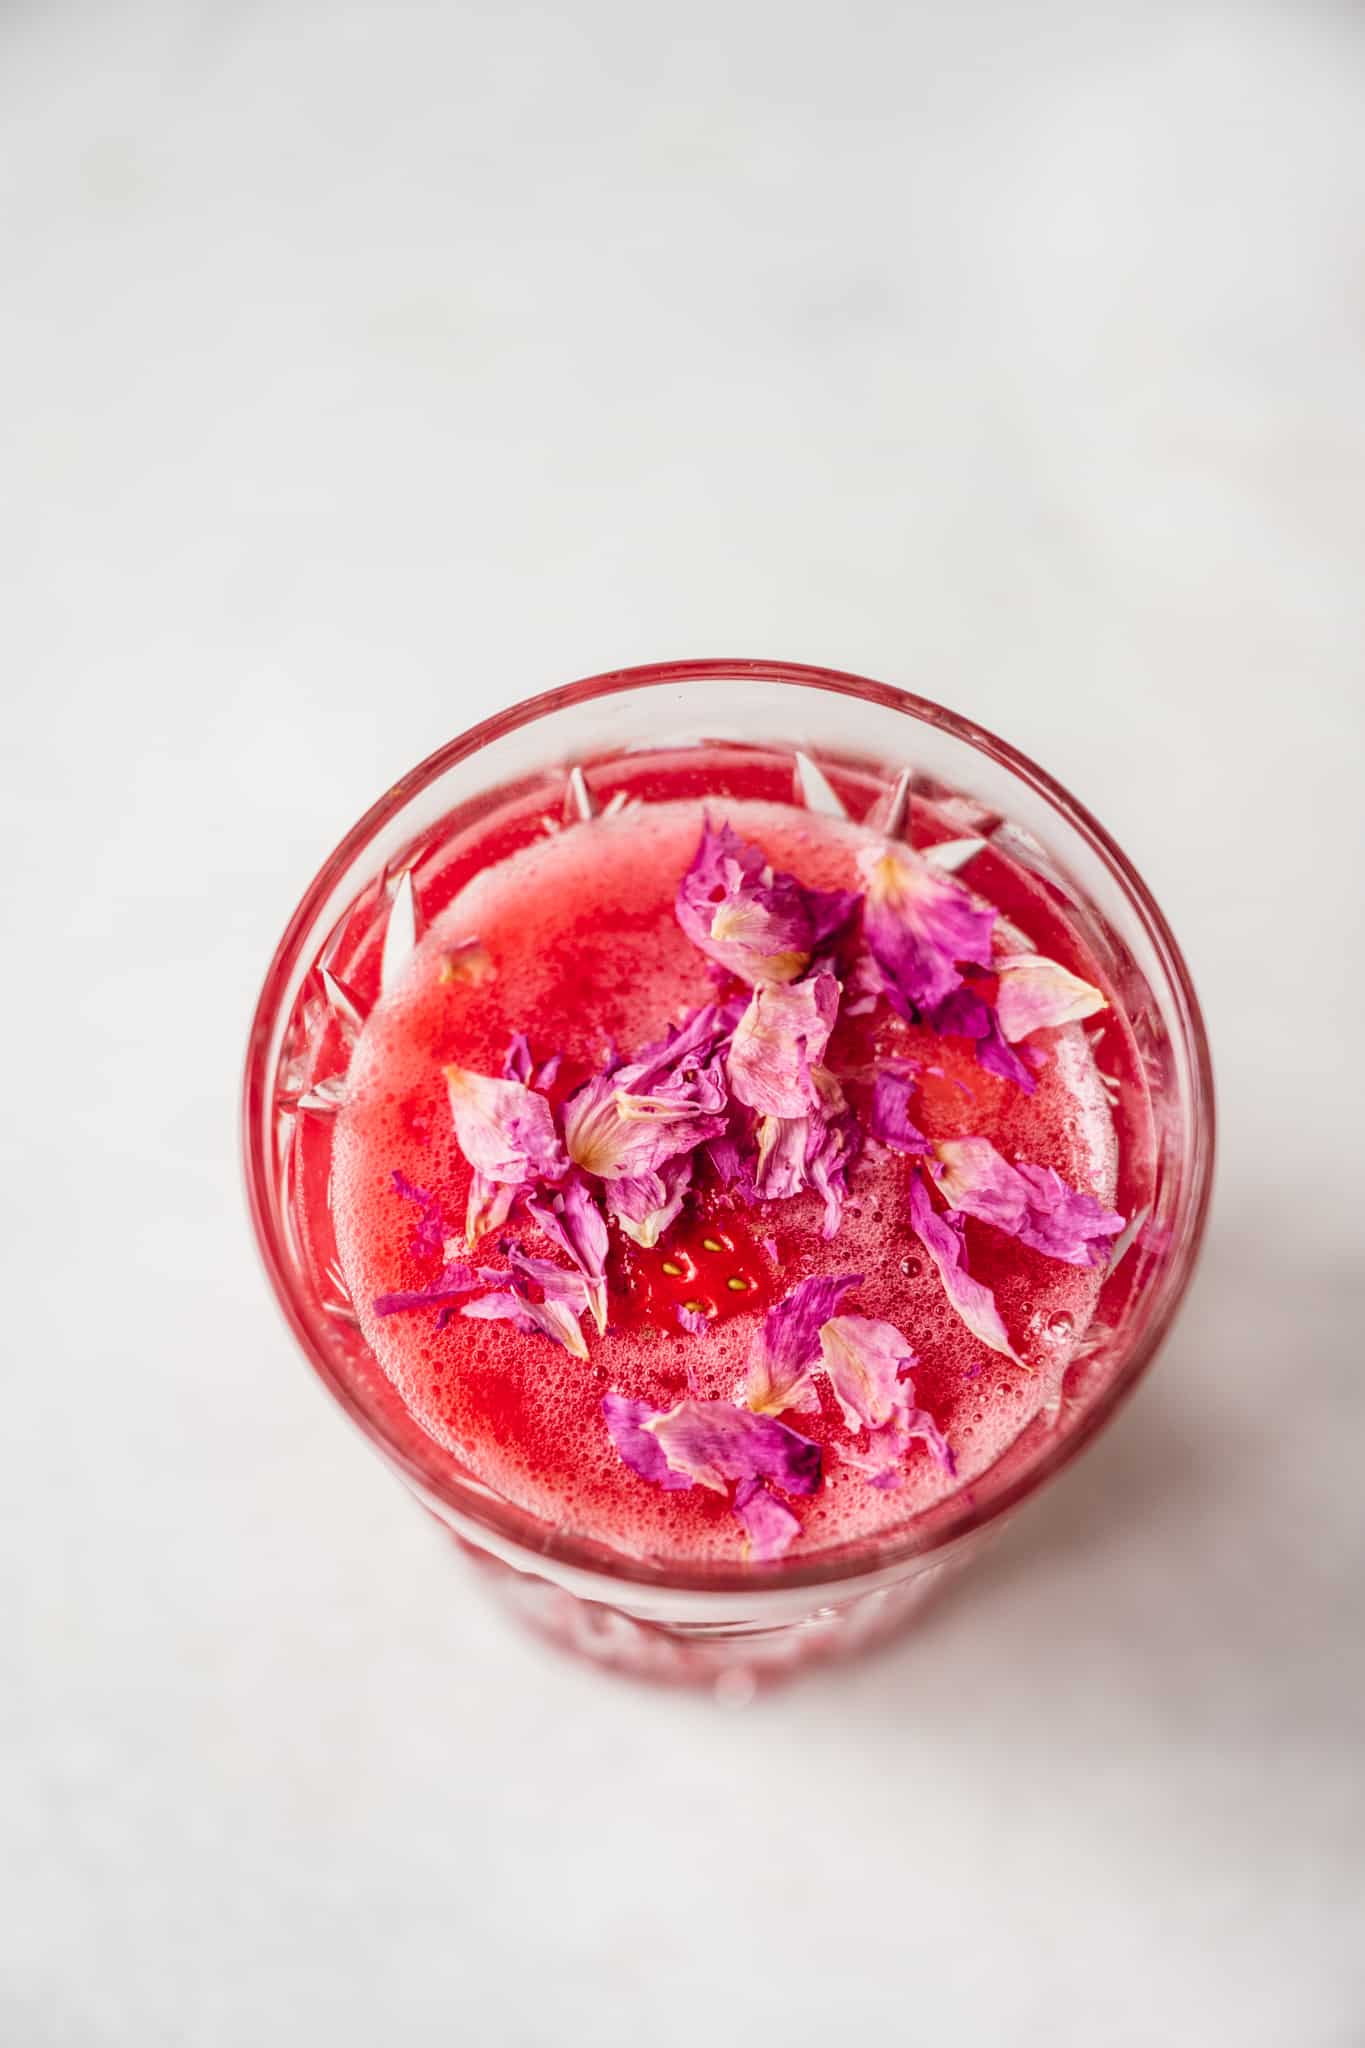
[(781, 1036), (883, 1462), (645, 1204), (890, 1119), (759, 925), (537, 1296), (693, 1321), (918, 923), (617, 1133), (964, 1014), (864, 1359), (637, 1447), (451, 1284), (505, 1129), (768, 1523), (942, 1238), (430, 1235), (571, 1219), (519, 1066), (1035, 993), (719, 1445), (787, 1344), (1032, 1203)]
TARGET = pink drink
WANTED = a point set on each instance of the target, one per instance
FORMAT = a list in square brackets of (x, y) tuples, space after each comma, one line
[(579, 947)]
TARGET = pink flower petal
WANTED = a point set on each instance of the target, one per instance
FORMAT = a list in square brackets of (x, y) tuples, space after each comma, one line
[(645, 1204), (537, 1296), (942, 1239), (719, 1445), (571, 1219), (781, 1036), (759, 925), (918, 923), (769, 1525), (890, 1119), (625, 1124), (637, 1446), (1035, 993), (519, 1066), (786, 1345), (1032, 1203), (864, 1359), (452, 1284), (506, 1130), (883, 1462)]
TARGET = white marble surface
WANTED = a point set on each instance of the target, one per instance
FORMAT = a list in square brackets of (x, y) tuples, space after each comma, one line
[(365, 367)]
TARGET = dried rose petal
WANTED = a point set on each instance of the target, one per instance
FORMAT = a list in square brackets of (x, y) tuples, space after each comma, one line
[(964, 1014), (786, 1345), (452, 1284), (430, 1234), (768, 1523), (694, 1320), (890, 1119), (781, 1036), (1032, 1203), (720, 1445), (864, 1359), (626, 1124), (1035, 993), (537, 1296), (637, 1446), (571, 1219), (792, 1154), (645, 1204), (506, 1130), (760, 925), (918, 923), (942, 1238), (488, 1207)]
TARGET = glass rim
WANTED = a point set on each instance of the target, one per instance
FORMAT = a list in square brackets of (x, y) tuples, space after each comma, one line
[(517, 1532)]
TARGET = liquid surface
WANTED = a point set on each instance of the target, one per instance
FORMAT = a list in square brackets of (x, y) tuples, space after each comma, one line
[(586, 952)]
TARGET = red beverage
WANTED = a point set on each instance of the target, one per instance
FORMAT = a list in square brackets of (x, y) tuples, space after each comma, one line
[(567, 932)]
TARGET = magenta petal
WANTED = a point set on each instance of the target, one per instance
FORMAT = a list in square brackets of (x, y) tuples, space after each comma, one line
[(719, 1445), (571, 1219), (505, 1130), (451, 1284), (781, 1036), (918, 923), (1032, 1203), (755, 923), (768, 1523), (787, 1344), (942, 1239), (890, 1119), (964, 1014), (638, 1448), (1035, 993), (628, 1123), (538, 1296), (1062, 1222)]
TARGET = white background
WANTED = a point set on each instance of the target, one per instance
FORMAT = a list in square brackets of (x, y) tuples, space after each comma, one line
[(365, 368)]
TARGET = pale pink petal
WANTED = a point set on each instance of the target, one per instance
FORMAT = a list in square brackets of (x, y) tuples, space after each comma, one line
[(942, 1239), (974, 1180), (1032, 1203), (1035, 993), (506, 1131), (777, 1041), (488, 1207), (883, 1462), (865, 1359), (538, 1296), (769, 1525), (637, 1446)]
